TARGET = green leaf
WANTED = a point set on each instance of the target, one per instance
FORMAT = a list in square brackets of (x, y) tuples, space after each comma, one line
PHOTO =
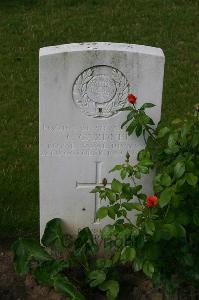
[(131, 127), (149, 227), (136, 189), (147, 120), (122, 212), (157, 183), (21, 257), (143, 169), (111, 196), (138, 130), (180, 231), (147, 105), (186, 129), (102, 212), (107, 232), (36, 251), (116, 186), (165, 197), (168, 231), (124, 123), (143, 154), (26, 250), (170, 217), (103, 194), (96, 277), (180, 182), (102, 263), (53, 235), (196, 218), (172, 150), (146, 163), (85, 243), (191, 179), (195, 140), (116, 256), (162, 132), (142, 197), (128, 254), (111, 287), (165, 180), (64, 286), (137, 175), (176, 121), (111, 212), (131, 115), (116, 207), (188, 260), (190, 164), (131, 206), (172, 139), (137, 264), (150, 121), (176, 199), (134, 232), (127, 191), (116, 168), (45, 273), (123, 173), (140, 241), (148, 268), (183, 218), (97, 189), (124, 233), (179, 169)]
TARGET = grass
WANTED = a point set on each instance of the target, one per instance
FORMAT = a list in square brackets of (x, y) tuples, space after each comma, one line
[(26, 26)]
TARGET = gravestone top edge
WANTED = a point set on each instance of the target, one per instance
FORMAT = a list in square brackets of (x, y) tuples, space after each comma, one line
[(101, 46)]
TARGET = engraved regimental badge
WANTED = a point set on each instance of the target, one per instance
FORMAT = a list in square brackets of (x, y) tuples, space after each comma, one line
[(100, 91)]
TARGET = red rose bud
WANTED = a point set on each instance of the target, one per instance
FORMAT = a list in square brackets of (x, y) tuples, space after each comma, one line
[(151, 201), (131, 98), (127, 156), (104, 181)]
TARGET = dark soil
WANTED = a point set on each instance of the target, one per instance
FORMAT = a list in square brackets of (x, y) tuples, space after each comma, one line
[(15, 287)]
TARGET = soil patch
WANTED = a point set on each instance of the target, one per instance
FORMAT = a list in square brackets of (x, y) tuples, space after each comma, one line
[(15, 287)]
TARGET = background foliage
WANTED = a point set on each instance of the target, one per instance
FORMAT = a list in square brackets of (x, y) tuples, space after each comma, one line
[(26, 26)]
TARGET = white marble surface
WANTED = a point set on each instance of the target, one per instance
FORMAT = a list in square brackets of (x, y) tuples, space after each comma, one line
[(81, 88)]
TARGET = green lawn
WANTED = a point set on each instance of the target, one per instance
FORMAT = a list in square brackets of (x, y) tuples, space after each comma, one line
[(27, 25)]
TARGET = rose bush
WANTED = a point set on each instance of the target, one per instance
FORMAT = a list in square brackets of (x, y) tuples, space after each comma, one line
[(163, 239), (168, 220)]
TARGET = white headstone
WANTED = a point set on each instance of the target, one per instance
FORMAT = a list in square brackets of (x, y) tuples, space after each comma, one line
[(81, 88)]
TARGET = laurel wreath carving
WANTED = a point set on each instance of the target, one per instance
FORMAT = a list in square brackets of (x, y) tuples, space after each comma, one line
[(81, 85), (107, 109)]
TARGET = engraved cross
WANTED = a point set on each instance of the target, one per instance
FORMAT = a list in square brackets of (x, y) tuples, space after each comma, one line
[(98, 181)]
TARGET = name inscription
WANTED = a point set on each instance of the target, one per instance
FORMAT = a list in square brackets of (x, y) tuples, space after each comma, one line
[(62, 140)]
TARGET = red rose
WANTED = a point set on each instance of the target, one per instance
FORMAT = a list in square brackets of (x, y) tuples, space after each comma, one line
[(151, 201), (131, 98)]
